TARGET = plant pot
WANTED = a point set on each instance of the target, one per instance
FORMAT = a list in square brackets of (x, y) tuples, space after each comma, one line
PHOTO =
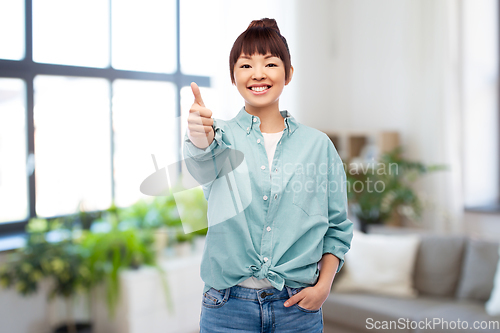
[(80, 328), (161, 241), (60, 310), (183, 249), (364, 223)]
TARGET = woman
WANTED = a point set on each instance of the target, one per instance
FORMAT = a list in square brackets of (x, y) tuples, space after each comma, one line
[(278, 227)]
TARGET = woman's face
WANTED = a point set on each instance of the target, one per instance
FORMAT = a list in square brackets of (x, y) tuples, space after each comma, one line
[(260, 79)]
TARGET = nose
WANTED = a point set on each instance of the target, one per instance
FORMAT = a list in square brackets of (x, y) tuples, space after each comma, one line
[(259, 74)]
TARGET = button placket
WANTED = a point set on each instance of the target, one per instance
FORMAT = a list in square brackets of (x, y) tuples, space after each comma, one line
[(276, 174), (266, 251), (261, 152)]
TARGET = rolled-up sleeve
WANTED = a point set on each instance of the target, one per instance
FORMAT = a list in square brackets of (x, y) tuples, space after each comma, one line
[(205, 164), (337, 239), (215, 148)]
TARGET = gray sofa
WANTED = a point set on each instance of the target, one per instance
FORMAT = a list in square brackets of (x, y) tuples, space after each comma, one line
[(454, 278)]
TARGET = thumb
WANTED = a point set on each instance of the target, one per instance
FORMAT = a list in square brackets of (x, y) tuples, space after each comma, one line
[(197, 94)]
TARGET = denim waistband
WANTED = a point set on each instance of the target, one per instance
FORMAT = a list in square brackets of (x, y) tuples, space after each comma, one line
[(268, 294)]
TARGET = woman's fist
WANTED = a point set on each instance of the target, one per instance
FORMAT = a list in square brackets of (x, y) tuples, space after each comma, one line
[(200, 121)]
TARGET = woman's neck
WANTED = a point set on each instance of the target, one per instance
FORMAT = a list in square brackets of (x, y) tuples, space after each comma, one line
[(270, 117)]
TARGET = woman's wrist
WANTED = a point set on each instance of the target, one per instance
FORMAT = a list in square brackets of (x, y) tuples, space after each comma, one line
[(328, 268), (323, 284)]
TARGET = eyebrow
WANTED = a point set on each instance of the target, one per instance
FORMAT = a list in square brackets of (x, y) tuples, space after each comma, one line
[(266, 57)]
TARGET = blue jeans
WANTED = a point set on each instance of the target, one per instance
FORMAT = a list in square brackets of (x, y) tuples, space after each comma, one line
[(239, 309)]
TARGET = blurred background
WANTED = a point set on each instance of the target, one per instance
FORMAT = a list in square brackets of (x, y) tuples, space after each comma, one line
[(89, 90)]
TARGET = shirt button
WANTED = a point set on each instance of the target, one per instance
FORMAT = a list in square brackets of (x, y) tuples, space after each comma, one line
[(266, 259), (263, 167), (268, 228), (254, 120), (275, 196), (258, 140), (265, 197), (275, 170)]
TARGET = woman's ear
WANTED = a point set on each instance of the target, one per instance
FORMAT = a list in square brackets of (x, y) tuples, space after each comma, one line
[(289, 77)]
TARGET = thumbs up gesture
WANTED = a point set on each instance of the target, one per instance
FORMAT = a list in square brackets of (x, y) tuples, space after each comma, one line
[(200, 121)]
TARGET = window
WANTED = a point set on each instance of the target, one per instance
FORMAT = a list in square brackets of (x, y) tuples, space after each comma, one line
[(12, 30), (13, 158), (71, 120), (71, 32), (146, 109), (89, 89)]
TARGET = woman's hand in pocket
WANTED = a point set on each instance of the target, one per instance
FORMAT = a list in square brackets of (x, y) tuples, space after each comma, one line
[(310, 298)]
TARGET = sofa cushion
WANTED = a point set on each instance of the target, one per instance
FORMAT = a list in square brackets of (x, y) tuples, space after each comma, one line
[(439, 260), (438, 264), (380, 264), (354, 309), (478, 270), (468, 312)]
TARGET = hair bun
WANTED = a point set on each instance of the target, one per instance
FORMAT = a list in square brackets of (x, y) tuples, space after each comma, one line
[(264, 23)]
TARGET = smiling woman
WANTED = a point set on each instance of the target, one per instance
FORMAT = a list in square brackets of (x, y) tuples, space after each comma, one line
[(265, 241)]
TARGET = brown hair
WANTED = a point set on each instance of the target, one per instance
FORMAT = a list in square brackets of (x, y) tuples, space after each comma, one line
[(262, 37)]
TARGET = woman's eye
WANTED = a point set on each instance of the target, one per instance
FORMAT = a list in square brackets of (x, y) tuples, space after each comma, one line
[(245, 66), (272, 65)]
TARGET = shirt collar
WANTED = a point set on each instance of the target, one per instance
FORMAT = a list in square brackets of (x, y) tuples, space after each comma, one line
[(246, 121)]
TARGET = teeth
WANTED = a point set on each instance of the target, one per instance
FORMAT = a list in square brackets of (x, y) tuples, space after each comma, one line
[(259, 88)]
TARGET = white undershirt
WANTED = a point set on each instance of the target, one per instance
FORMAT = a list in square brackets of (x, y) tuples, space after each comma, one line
[(270, 142)]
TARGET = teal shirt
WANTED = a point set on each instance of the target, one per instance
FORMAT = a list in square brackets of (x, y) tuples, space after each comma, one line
[(275, 226)]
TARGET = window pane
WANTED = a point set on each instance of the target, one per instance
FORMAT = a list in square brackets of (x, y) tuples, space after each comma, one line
[(72, 144), (144, 123), (13, 179), (12, 29), (201, 29), (144, 35), (71, 32)]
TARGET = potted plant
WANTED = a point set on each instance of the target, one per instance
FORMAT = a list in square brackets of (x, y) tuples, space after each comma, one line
[(79, 260), (62, 262), (123, 238), (383, 189), (112, 251)]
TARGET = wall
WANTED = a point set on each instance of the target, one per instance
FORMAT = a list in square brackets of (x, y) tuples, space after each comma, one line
[(388, 65), (357, 67)]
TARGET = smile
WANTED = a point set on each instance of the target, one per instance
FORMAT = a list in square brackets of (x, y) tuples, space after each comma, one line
[(259, 90)]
